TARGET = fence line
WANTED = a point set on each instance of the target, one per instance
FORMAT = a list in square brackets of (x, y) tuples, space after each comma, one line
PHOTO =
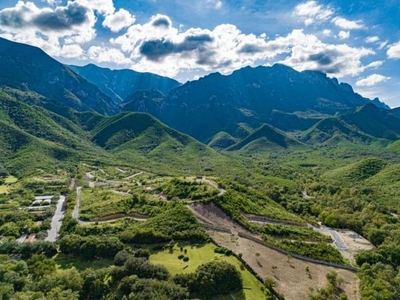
[(317, 261)]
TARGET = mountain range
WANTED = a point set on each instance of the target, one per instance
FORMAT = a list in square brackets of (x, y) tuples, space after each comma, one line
[(69, 111)]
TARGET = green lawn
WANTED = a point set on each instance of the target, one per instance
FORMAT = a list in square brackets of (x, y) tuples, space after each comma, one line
[(67, 261), (200, 254), (4, 189), (11, 179)]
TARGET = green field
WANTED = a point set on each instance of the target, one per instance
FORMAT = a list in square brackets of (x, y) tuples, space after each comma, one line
[(5, 189), (11, 179), (200, 254)]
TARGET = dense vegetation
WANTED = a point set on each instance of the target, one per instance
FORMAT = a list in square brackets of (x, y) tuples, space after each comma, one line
[(337, 165)]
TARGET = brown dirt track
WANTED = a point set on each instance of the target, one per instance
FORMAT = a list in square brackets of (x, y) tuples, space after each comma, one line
[(293, 281)]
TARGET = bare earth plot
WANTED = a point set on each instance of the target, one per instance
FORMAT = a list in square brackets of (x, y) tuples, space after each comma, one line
[(293, 281), (355, 242)]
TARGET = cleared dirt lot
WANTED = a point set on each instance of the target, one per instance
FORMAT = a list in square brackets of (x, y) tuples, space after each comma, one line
[(293, 281)]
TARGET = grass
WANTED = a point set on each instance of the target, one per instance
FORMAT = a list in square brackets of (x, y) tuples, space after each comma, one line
[(200, 254), (11, 179), (4, 189), (67, 261), (100, 202)]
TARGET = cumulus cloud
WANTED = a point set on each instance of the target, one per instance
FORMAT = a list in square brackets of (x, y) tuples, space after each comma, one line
[(28, 15), (62, 18), (105, 7), (119, 20), (372, 80), (56, 30), (158, 49), (394, 51), (71, 51), (162, 47), (161, 21), (158, 46), (346, 24), (312, 12), (106, 54), (307, 52)]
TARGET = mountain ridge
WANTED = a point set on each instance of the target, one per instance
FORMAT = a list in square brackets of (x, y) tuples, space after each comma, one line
[(118, 84), (29, 68)]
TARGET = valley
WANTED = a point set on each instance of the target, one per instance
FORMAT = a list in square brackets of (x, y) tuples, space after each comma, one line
[(284, 182)]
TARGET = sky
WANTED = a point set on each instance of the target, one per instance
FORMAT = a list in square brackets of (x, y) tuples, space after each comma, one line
[(357, 42)]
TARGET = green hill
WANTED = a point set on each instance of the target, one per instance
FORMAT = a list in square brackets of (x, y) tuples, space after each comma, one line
[(143, 139), (222, 140), (27, 68), (356, 172), (375, 121), (265, 138), (332, 131)]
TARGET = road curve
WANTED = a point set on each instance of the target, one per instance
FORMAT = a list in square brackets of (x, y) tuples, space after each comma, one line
[(214, 184), (75, 212)]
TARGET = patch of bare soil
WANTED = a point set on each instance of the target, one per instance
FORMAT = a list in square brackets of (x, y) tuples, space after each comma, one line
[(354, 241), (293, 279)]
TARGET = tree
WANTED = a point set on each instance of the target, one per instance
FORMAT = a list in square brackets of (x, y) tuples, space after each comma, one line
[(121, 257), (217, 278), (39, 265)]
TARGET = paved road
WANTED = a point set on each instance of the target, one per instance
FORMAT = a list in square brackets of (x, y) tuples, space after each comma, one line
[(56, 221), (338, 241)]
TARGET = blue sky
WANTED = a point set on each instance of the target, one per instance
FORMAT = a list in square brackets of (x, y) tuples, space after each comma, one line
[(357, 42)]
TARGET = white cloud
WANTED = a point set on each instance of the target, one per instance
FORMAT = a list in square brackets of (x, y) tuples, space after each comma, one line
[(372, 39), (327, 32), (374, 64), (344, 34), (119, 20), (307, 52), (311, 12), (394, 51), (48, 28), (105, 7), (346, 24), (71, 51), (107, 55), (383, 44), (173, 51), (372, 80)]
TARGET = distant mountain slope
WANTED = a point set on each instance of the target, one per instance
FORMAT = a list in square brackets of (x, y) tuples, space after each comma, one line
[(263, 139), (358, 171), (144, 101), (28, 68), (32, 137), (377, 122), (332, 131), (119, 84), (204, 107), (141, 138), (222, 140)]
